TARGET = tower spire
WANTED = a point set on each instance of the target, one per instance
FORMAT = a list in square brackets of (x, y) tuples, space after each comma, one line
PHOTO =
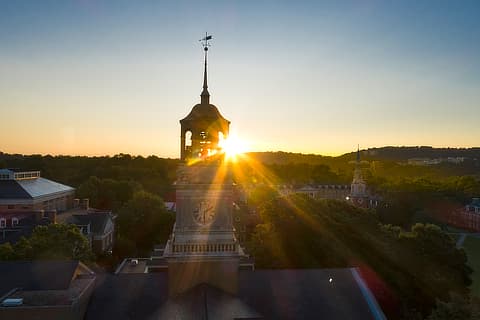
[(205, 95), (358, 153)]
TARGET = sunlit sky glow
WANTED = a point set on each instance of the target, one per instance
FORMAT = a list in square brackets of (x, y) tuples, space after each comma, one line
[(104, 77)]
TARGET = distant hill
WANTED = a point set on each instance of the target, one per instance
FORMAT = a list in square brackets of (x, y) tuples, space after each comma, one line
[(405, 153), (383, 153), (281, 157)]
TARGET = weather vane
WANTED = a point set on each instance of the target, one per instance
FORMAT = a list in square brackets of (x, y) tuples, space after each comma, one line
[(205, 42)]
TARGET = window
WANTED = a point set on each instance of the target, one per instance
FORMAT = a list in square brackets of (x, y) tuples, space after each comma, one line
[(3, 223), (14, 222), (11, 206)]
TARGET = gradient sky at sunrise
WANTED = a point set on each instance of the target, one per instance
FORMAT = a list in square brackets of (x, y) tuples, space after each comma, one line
[(104, 77)]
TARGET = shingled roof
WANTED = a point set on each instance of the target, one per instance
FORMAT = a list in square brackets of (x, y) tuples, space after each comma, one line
[(36, 275), (270, 294), (11, 189), (96, 220)]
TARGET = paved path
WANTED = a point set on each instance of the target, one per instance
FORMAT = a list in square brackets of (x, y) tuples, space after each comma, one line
[(461, 240), (463, 236)]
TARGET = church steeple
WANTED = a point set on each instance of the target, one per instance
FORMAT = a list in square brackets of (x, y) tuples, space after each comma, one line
[(358, 188), (357, 176), (205, 96)]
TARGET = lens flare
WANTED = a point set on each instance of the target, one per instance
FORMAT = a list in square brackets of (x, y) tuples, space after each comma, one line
[(233, 146)]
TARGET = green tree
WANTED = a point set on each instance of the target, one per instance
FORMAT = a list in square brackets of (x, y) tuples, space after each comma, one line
[(54, 241), (458, 308), (144, 220), (59, 241), (107, 194), (418, 266), (23, 249), (6, 252)]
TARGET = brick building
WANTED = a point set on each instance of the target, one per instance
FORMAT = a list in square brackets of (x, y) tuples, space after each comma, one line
[(28, 191)]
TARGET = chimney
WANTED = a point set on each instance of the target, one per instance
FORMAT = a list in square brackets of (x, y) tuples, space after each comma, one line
[(85, 204)]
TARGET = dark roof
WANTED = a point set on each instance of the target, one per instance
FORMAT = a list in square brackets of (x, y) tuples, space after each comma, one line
[(475, 202), (273, 294), (19, 170), (97, 220), (36, 275), (127, 296), (10, 189), (304, 294), (204, 111), (206, 302)]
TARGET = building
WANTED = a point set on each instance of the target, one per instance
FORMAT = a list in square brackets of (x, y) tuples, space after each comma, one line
[(28, 191), (44, 289), (359, 195), (319, 191), (356, 193), (203, 243), (473, 206), (358, 190), (98, 226), (435, 161), (209, 276), (17, 224), (328, 294), (467, 217)]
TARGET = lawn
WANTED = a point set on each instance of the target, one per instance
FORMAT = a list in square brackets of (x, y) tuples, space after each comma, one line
[(472, 248)]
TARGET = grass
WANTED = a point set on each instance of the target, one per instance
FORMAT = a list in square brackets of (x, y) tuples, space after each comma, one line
[(472, 248)]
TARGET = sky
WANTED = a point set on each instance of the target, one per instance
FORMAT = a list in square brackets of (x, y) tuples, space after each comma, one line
[(109, 77)]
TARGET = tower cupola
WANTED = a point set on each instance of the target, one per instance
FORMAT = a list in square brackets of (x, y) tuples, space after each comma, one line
[(204, 127)]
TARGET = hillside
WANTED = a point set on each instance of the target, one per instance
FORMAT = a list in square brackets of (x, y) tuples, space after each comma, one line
[(384, 153)]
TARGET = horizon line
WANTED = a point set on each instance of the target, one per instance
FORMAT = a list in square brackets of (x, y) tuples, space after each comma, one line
[(333, 155)]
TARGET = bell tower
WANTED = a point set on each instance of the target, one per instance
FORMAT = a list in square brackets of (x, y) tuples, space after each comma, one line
[(204, 127), (202, 247)]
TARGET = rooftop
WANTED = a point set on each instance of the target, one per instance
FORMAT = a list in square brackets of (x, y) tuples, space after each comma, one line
[(272, 294), (128, 266), (17, 174), (30, 188), (36, 275), (97, 219), (53, 297)]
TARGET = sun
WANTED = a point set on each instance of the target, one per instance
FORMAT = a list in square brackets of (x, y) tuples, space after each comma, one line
[(232, 147)]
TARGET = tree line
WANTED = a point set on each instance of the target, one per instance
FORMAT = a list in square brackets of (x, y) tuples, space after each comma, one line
[(408, 270)]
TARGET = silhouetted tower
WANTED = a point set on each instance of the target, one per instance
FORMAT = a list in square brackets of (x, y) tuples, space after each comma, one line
[(358, 192), (202, 248), (204, 126)]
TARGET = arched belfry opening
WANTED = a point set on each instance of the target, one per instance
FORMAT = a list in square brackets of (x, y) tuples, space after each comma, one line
[(200, 132), (205, 124)]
